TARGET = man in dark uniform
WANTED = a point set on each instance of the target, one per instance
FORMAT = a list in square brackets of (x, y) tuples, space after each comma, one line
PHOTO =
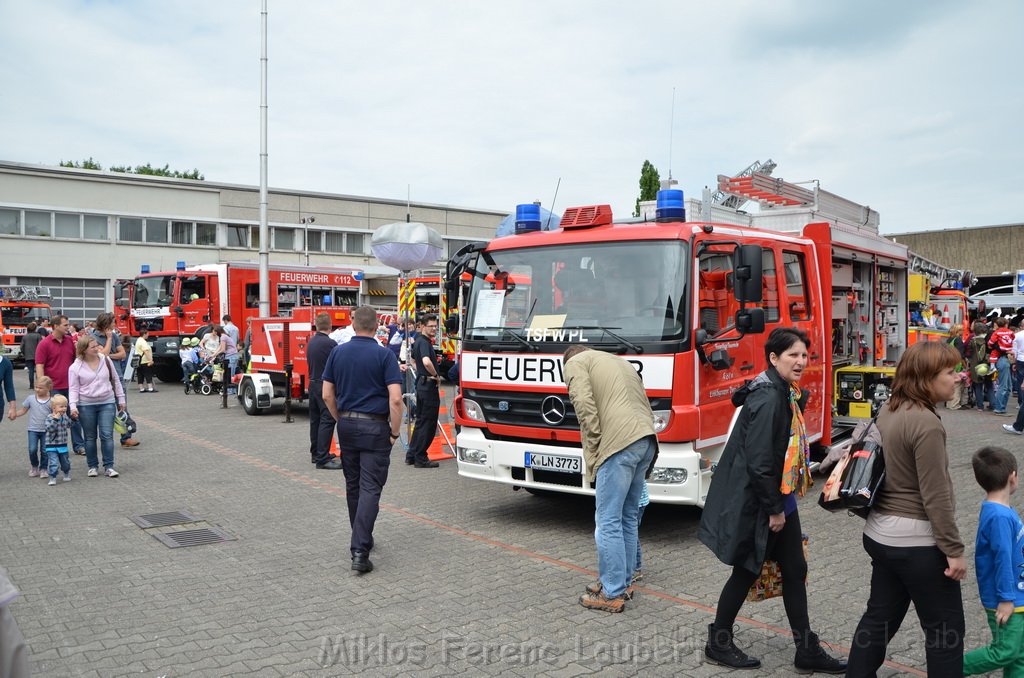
[(427, 401), (321, 423), (363, 390)]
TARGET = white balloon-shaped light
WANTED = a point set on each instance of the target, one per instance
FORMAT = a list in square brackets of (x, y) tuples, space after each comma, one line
[(406, 246)]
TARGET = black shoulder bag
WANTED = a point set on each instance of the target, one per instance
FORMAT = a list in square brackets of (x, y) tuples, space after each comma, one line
[(856, 480)]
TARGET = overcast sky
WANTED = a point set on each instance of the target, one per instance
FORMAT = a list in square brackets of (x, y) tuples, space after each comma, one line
[(912, 107)]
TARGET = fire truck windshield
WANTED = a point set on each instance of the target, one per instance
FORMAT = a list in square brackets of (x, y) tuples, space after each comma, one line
[(635, 289), (153, 291), (22, 314)]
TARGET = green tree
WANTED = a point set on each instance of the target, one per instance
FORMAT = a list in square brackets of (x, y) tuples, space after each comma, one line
[(164, 171), (650, 182), (84, 164)]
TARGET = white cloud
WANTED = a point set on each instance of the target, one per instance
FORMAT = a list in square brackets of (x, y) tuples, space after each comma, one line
[(911, 107)]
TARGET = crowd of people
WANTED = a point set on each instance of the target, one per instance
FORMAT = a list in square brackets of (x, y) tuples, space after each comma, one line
[(360, 378), (77, 378)]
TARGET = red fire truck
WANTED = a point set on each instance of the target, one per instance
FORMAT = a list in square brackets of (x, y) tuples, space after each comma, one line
[(19, 306), (425, 293), (277, 343), (180, 303), (669, 295)]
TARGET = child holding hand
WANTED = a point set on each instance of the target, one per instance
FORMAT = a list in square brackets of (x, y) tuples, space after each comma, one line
[(58, 427), (37, 407)]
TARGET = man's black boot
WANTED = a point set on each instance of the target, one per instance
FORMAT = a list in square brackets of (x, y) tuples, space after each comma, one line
[(361, 562), (811, 658), (721, 650)]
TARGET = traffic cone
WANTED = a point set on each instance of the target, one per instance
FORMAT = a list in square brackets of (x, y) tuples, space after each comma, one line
[(945, 321), (335, 450), (437, 451)]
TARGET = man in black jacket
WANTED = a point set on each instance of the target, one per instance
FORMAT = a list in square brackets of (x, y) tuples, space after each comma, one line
[(321, 423)]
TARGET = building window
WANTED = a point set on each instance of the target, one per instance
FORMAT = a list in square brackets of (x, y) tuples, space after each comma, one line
[(334, 242), (315, 241), (181, 232), (206, 234), (354, 243), (37, 223), (67, 225), (238, 236), (96, 228), (254, 237), (284, 239), (156, 230), (130, 229), (10, 223)]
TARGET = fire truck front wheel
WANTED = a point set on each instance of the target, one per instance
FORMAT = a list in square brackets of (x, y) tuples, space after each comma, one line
[(247, 394), (168, 372)]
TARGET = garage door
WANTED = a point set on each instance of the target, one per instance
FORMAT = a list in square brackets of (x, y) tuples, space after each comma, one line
[(77, 298)]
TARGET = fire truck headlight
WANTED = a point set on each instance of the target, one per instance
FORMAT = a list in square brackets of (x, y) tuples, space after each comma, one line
[(668, 476), (472, 456), (661, 420), (472, 410)]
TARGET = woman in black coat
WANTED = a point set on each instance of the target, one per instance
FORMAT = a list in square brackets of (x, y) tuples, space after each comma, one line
[(750, 511)]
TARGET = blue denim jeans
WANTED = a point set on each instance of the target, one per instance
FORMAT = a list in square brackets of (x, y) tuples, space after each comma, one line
[(55, 459), (37, 448), (1003, 384), (620, 483), (98, 418), (639, 552)]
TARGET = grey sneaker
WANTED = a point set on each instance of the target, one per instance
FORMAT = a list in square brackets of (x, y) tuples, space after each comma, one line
[(67, 477), (92, 473), (111, 473), (1010, 429), (53, 481)]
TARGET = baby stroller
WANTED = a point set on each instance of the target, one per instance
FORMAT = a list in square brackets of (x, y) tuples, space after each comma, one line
[(208, 379)]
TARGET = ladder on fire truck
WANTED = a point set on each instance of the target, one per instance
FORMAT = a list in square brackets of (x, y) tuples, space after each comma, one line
[(734, 201), (24, 292)]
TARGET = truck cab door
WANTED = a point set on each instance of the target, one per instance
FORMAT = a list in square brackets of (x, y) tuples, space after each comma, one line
[(802, 309), (715, 315), (195, 303), (124, 292)]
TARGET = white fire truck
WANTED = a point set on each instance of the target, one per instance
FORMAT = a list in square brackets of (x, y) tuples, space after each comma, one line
[(672, 296)]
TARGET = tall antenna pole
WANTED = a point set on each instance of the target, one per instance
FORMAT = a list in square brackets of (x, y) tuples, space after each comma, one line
[(264, 228), (671, 128)]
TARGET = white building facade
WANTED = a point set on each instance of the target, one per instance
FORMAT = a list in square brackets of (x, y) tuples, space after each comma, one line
[(77, 231)]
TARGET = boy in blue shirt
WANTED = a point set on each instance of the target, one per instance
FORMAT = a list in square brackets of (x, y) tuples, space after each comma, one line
[(999, 563)]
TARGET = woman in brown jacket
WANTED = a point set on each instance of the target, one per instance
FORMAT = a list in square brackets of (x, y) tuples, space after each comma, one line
[(911, 535)]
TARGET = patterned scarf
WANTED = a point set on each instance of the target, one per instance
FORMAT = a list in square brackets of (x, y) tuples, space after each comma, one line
[(796, 471)]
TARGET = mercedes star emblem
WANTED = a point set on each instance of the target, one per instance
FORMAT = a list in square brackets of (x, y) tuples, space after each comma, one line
[(552, 410)]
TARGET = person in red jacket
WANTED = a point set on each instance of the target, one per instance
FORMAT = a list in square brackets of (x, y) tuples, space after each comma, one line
[(1001, 344)]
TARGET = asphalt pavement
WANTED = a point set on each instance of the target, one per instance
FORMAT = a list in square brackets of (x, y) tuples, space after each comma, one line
[(471, 578)]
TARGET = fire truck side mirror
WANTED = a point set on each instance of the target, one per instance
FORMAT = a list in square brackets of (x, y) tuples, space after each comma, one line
[(750, 320), (747, 273), (451, 324), (122, 302)]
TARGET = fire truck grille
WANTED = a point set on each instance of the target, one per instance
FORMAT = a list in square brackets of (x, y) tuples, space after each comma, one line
[(538, 410), (152, 324)]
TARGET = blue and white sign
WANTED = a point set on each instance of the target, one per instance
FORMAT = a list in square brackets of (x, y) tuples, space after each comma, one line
[(1020, 282)]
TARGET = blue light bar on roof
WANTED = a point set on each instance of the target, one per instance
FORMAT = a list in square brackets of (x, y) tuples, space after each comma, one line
[(670, 206), (527, 218)]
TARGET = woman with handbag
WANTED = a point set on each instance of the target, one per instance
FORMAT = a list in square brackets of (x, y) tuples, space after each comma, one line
[(750, 514), (911, 534), (95, 395)]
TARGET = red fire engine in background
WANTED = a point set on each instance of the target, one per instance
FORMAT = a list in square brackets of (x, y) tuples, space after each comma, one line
[(19, 306), (425, 293), (181, 303), (673, 297)]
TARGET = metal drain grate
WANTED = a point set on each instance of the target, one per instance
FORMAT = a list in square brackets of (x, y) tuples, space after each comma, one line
[(164, 519), (205, 535)]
